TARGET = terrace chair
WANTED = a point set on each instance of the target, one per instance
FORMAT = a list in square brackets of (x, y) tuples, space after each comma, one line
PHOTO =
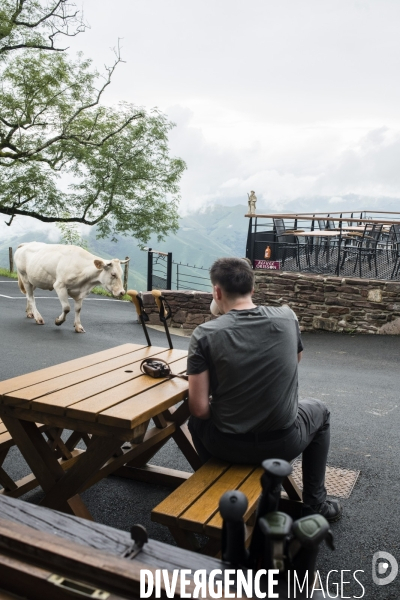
[(291, 243), (330, 224), (365, 247), (389, 239), (396, 250)]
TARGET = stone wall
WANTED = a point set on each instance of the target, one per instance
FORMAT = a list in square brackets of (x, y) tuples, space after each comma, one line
[(321, 303), (333, 303), (188, 309)]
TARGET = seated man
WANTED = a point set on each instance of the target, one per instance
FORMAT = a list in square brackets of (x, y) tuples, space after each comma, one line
[(243, 386)]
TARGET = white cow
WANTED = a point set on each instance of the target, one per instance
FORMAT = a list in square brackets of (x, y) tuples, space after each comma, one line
[(70, 270)]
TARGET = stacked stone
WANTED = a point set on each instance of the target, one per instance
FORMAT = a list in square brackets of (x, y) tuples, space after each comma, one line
[(350, 304), (188, 308), (333, 303)]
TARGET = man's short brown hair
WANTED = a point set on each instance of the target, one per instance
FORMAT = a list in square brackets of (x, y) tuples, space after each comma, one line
[(234, 275)]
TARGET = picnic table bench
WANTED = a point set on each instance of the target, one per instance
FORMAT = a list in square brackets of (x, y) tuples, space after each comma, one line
[(193, 508)]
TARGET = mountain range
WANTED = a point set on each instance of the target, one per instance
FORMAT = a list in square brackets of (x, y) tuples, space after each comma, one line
[(203, 236)]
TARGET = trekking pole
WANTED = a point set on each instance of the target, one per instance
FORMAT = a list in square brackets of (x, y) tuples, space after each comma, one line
[(276, 527), (308, 533), (232, 506), (141, 313), (275, 470), (164, 312)]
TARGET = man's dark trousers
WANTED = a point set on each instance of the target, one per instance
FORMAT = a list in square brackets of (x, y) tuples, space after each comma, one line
[(309, 435)]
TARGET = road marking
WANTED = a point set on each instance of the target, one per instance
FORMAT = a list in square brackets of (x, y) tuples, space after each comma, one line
[(381, 412), (56, 298)]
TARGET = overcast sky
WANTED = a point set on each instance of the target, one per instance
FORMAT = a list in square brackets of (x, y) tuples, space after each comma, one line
[(291, 99)]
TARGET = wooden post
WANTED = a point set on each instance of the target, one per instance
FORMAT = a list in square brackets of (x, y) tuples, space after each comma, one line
[(10, 256), (126, 270)]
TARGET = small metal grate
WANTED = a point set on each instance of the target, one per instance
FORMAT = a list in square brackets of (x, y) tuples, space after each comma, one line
[(338, 482)]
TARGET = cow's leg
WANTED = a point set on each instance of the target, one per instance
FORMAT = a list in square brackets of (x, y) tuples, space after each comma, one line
[(31, 310), (62, 294), (78, 307)]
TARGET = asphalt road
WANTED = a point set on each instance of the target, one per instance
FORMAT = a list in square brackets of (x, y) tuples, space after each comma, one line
[(357, 376)]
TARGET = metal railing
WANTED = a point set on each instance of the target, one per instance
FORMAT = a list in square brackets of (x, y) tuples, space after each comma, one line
[(165, 274), (190, 277), (159, 270), (353, 243)]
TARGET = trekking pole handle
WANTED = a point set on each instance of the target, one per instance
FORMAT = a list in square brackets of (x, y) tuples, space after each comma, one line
[(158, 297), (135, 298)]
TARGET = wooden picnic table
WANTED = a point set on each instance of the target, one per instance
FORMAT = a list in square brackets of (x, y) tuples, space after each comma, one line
[(104, 400)]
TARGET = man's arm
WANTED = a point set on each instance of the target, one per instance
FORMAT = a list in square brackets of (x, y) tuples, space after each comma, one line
[(199, 392), (300, 354)]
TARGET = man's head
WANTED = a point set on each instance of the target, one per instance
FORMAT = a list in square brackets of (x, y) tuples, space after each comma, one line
[(234, 276)]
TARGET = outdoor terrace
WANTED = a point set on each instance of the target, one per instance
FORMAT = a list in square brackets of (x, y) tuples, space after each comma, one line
[(355, 243)]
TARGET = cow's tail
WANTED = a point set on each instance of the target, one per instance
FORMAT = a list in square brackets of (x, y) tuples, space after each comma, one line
[(21, 284)]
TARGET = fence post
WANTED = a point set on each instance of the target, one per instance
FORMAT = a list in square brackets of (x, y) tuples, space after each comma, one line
[(149, 270), (10, 256), (126, 270), (169, 271)]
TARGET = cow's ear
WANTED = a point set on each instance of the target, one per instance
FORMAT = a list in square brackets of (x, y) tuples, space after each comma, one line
[(99, 264)]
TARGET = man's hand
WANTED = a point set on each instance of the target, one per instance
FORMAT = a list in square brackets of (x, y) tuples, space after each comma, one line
[(199, 391)]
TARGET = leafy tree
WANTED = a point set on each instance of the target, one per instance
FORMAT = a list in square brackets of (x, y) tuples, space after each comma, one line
[(65, 156)]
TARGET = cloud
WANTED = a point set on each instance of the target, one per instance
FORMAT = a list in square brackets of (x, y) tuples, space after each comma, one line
[(319, 163)]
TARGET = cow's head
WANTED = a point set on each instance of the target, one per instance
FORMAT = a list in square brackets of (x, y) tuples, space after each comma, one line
[(111, 276)]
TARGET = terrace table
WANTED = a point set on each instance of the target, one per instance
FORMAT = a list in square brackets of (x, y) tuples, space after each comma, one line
[(104, 400)]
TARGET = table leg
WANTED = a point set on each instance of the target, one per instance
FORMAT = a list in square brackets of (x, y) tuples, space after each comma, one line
[(61, 488), (5, 480), (72, 482), (35, 450), (184, 442)]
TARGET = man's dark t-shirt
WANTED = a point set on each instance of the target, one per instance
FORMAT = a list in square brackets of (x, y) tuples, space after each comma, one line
[(252, 359)]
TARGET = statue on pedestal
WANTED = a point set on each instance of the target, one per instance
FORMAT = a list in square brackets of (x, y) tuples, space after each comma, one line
[(252, 202)]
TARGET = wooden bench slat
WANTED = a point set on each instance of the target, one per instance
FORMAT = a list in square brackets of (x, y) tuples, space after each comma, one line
[(170, 509), (196, 517), (73, 365), (57, 402), (5, 437), (133, 411), (87, 375), (89, 408), (251, 487)]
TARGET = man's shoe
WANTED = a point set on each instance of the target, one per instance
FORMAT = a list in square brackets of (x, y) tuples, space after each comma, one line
[(330, 509)]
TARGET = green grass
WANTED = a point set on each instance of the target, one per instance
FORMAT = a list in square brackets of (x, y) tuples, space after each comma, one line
[(97, 290), (6, 273), (102, 292)]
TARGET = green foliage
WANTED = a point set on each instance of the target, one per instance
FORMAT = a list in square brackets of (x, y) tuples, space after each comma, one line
[(35, 24), (70, 233), (61, 149)]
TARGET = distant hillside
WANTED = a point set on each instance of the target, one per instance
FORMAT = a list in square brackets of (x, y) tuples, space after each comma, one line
[(203, 236)]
